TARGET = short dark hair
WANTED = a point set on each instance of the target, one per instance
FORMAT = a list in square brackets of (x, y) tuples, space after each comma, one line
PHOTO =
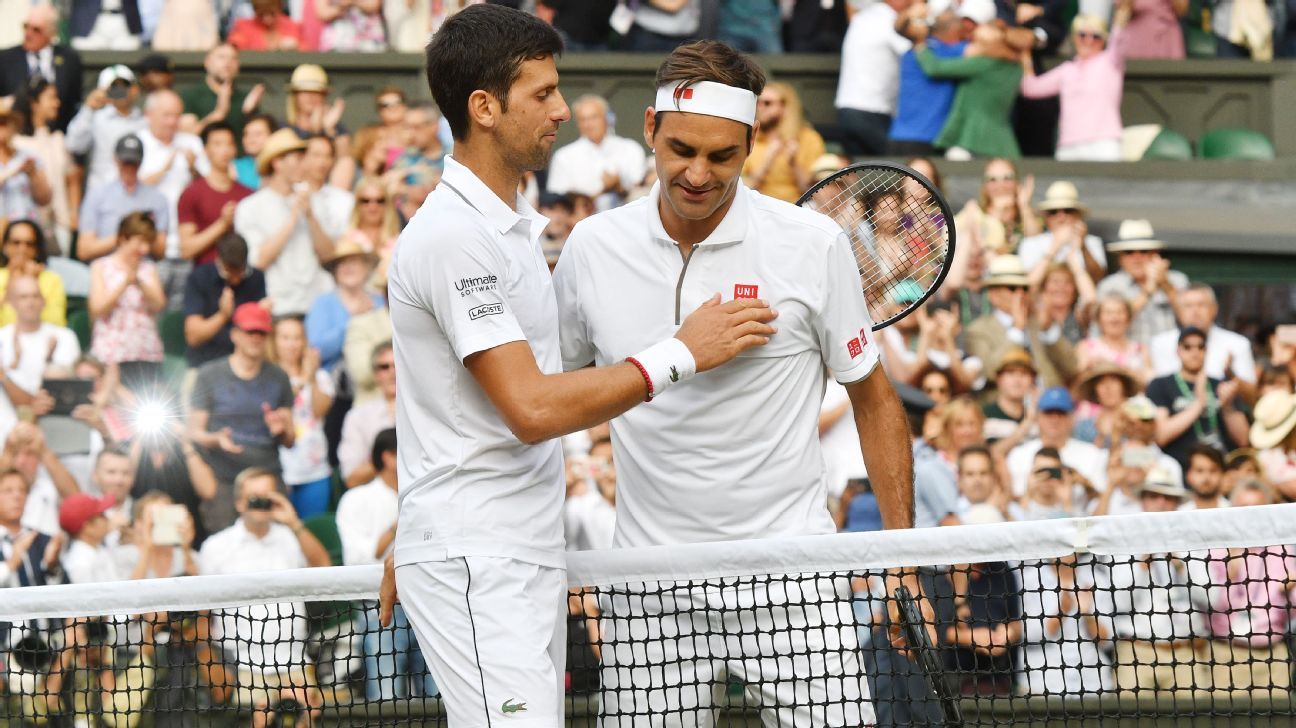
[(971, 450), (1049, 452), (384, 442), (214, 127), (232, 251), (324, 137), (112, 451), (709, 60), (11, 472), (264, 118), (1209, 452), (483, 47)]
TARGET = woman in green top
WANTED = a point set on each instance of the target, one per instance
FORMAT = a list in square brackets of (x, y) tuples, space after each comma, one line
[(980, 120)]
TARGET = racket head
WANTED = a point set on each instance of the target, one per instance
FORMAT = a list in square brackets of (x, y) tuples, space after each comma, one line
[(901, 232), (919, 642)]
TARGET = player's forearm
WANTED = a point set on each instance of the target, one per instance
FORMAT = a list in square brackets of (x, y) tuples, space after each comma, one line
[(887, 447), (578, 400)]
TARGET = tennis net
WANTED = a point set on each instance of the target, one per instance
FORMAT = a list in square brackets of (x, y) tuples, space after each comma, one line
[(1136, 620)]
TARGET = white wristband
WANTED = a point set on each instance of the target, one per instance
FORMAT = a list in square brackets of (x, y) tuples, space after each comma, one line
[(666, 363)]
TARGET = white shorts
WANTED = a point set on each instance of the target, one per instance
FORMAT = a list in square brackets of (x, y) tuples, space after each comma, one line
[(792, 641), (494, 633)]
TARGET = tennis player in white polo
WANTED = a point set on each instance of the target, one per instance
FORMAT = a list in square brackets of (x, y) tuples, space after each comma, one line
[(732, 454), (479, 542)]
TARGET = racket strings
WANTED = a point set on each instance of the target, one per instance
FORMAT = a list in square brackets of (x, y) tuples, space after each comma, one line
[(899, 235)]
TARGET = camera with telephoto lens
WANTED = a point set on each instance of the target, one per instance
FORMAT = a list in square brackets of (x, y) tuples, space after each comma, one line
[(260, 504)]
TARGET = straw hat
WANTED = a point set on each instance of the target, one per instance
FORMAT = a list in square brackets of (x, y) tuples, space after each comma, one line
[(824, 166), (1161, 481), (1015, 357), (1062, 196), (1140, 408), (280, 143), (1275, 416), (309, 77), (1006, 270), (1135, 235), (349, 247), (1087, 387)]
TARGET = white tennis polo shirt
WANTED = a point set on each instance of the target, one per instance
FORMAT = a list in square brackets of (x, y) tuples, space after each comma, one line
[(732, 453), (468, 275)]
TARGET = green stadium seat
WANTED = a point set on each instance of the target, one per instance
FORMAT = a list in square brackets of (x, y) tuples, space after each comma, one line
[(1244, 144), (1169, 144), (171, 331), (79, 322)]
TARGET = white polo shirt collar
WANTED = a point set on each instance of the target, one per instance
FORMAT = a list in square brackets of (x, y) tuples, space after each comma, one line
[(732, 229), (475, 192)]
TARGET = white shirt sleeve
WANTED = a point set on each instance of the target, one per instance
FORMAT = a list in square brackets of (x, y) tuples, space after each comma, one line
[(462, 288), (1094, 245), (66, 348), (845, 329), (355, 530), (577, 351), (1164, 349), (560, 178), (247, 224), (632, 164)]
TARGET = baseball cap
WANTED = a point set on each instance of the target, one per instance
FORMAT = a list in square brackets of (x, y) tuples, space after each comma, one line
[(129, 150), (252, 317), (112, 74), (76, 511), (978, 11), (1056, 399), (1188, 331)]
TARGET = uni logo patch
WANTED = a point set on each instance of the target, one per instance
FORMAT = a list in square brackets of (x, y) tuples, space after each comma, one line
[(742, 290), (853, 348)]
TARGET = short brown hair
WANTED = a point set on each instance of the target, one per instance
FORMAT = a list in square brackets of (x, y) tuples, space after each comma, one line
[(137, 223), (710, 60), (14, 472)]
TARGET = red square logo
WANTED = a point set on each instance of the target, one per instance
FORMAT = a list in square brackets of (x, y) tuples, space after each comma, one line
[(853, 348), (864, 337), (742, 290), (683, 93)]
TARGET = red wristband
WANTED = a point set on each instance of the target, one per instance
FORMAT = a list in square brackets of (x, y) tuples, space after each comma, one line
[(644, 372)]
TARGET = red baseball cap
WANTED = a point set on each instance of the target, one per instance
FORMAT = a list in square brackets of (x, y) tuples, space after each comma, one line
[(252, 317), (77, 510)]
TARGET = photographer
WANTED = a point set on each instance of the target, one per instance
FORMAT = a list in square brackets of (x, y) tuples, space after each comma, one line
[(267, 643)]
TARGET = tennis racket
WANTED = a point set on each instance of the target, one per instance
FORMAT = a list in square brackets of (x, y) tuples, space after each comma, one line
[(915, 635), (900, 228)]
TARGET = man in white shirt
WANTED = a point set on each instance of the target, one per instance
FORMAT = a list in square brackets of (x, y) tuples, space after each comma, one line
[(1055, 420), (1144, 279), (622, 282), (599, 164), (27, 347), (267, 642), (284, 234), (479, 553), (366, 523), (1196, 307), (870, 76), (331, 205), (172, 159), (109, 113)]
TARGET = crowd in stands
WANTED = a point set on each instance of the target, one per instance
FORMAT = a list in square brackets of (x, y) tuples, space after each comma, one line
[(198, 377)]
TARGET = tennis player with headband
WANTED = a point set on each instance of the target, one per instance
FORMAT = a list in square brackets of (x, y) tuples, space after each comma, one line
[(734, 453), (479, 540)]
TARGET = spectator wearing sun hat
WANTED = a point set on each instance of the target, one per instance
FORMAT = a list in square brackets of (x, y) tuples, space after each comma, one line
[(1065, 232), (1144, 279), (326, 322), (1274, 434), (279, 223), (309, 113), (1103, 389), (1011, 322)]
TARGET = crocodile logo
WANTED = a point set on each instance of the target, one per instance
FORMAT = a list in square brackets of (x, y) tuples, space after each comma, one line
[(511, 707), (674, 374)]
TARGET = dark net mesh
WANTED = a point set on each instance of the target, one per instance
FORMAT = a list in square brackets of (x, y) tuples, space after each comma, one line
[(1082, 638), (900, 231)]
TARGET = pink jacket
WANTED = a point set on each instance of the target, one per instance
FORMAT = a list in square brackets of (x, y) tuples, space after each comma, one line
[(1254, 605), (1091, 94)]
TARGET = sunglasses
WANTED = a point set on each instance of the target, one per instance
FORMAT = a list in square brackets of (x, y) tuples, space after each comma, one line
[(1001, 178), (383, 366), (373, 200), (1089, 35), (1063, 211), (390, 104)]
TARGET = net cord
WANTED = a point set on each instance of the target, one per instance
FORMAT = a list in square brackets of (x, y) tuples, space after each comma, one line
[(847, 552)]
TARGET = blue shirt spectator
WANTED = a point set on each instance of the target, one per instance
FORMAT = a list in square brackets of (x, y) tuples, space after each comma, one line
[(924, 102)]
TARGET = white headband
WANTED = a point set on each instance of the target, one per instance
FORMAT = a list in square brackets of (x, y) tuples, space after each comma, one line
[(710, 98)]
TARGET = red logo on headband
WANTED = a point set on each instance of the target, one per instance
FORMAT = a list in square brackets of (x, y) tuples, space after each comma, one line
[(683, 93), (853, 348), (745, 291)]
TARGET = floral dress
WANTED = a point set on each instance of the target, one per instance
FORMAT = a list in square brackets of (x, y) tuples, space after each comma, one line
[(129, 331)]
